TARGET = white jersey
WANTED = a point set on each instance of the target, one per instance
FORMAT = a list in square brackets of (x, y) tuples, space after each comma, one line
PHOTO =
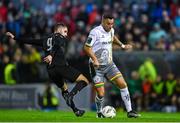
[(101, 43)]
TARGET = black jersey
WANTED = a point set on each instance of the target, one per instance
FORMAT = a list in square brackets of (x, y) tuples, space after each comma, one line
[(54, 44)]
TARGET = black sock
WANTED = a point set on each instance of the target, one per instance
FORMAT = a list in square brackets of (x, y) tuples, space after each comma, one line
[(72, 104), (63, 92), (73, 107), (78, 87)]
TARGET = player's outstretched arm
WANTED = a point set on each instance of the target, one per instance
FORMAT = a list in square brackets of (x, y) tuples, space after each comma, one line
[(38, 42), (118, 42)]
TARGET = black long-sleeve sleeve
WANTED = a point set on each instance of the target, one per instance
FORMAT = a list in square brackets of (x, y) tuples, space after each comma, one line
[(55, 48), (33, 41)]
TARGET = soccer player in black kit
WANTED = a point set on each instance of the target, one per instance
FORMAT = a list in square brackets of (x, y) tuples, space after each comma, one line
[(54, 46)]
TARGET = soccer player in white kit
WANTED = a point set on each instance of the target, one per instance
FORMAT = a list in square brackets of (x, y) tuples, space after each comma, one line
[(98, 47)]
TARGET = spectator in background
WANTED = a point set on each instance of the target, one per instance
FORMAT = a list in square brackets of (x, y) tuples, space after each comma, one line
[(9, 72), (49, 100), (12, 68), (75, 46), (170, 84), (82, 15), (175, 38), (177, 19), (34, 56), (177, 94), (33, 60), (155, 35), (144, 24), (5, 60), (13, 19), (174, 34), (170, 91), (174, 5), (147, 69), (135, 83), (146, 89), (3, 12), (75, 10), (166, 22), (161, 45), (135, 10), (135, 89), (93, 15), (157, 96), (49, 7)]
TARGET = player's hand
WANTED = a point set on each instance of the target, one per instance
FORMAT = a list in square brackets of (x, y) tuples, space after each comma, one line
[(48, 59), (128, 46), (10, 35), (96, 63)]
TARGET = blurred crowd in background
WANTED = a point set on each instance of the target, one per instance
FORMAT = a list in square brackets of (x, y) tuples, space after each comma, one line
[(147, 95), (149, 25)]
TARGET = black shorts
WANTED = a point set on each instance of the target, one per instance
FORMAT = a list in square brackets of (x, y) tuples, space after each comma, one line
[(58, 74)]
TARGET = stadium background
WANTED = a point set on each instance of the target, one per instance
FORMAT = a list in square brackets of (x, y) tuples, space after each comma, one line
[(152, 26)]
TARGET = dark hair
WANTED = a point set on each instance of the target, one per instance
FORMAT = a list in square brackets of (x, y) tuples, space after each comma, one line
[(58, 25), (107, 15)]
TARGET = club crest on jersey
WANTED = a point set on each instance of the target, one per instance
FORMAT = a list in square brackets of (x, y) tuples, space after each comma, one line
[(97, 79)]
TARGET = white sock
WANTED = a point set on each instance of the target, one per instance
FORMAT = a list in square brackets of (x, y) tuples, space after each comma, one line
[(126, 98), (99, 103)]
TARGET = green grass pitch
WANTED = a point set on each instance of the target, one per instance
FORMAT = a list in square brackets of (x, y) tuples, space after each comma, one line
[(68, 116)]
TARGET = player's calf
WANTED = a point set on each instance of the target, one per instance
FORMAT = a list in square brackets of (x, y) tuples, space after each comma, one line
[(68, 98)]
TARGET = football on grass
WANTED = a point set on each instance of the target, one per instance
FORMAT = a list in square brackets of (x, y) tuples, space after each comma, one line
[(109, 111)]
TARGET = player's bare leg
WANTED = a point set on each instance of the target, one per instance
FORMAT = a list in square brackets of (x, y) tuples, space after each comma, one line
[(120, 82)]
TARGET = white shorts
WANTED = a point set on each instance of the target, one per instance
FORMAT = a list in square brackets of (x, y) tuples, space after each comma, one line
[(103, 73)]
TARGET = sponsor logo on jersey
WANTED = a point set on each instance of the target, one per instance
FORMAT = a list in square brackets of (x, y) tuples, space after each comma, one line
[(109, 42), (89, 39), (102, 36)]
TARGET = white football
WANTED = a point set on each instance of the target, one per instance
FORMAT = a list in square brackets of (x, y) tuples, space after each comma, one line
[(109, 111)]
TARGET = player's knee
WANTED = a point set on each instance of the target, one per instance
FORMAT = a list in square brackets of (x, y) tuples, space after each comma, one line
[(86, 80), (123, 85), (83, 78), (100, 93)]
